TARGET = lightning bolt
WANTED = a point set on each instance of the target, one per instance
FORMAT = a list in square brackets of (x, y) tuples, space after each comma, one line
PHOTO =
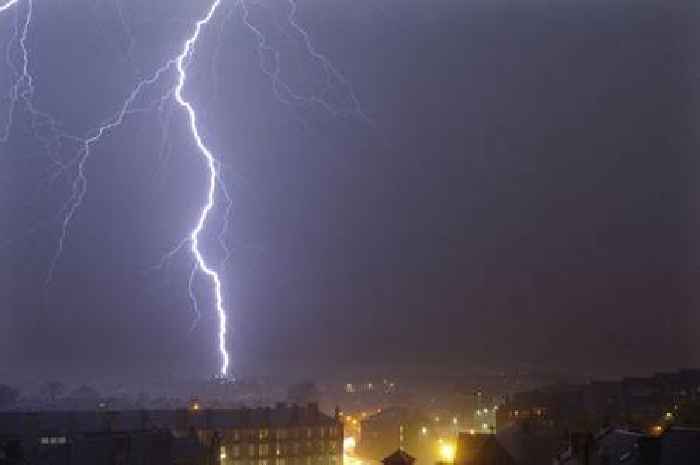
[(212, 166), (80, 183), (48, 130), (282, 90), (8, 5), (331, 72), (44, 126)]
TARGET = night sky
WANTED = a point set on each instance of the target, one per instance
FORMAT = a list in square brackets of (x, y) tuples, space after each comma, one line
[(525, 195)]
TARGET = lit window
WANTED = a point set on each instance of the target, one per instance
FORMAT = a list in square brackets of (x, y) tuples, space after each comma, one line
[(251, 450), (264, 434), (236, 435), (44, 440), (222, 452), (236, 451), (309, 432), (424, 430), (264, 450), (280, 461), (262, 462), (322, 432)]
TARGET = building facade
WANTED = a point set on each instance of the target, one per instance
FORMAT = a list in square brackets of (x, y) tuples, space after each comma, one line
[(283, 435)]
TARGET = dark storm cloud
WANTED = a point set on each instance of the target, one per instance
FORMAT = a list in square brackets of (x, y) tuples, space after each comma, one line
[(526, 195)]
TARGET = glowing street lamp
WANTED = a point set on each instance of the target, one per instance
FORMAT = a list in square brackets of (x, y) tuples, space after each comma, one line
[(447, 452)]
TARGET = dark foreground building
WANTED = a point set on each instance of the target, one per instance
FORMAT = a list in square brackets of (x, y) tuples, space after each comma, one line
[(481, 449), (284, 435), (675, 446)]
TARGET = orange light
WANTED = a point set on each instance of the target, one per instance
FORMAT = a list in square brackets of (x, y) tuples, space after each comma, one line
[(447, 452)]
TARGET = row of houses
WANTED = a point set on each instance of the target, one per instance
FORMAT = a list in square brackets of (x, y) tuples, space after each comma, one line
[(639, 402), (283, 435)]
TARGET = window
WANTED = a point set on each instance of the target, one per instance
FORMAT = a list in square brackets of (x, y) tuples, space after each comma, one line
[(53, 440), (264, 450), (264, 434), (333, 431), (236, 451), (222, 452), (309, 432), (296, 448), (251, 450), (262, 462), (320, 446), (321, 432), (236, 435), (280, 461), (333, 446), (281, 434)]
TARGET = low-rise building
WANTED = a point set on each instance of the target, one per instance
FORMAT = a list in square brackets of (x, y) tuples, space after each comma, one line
[(284, 435)]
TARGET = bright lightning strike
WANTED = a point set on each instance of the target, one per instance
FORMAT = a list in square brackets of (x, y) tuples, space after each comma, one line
[(212, 165), (7, 5), (80, 182), (47, 129)]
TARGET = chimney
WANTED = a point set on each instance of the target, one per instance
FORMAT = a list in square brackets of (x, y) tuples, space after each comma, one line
[(145, 420), (312, 409), (296, 418), (245, 417)]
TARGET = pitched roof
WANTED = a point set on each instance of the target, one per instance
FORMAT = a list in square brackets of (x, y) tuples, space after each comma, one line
[(137, 420), (399, 457)]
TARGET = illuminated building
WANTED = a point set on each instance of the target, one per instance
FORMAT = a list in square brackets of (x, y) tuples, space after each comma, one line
[(398, 428), (283, 435)]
